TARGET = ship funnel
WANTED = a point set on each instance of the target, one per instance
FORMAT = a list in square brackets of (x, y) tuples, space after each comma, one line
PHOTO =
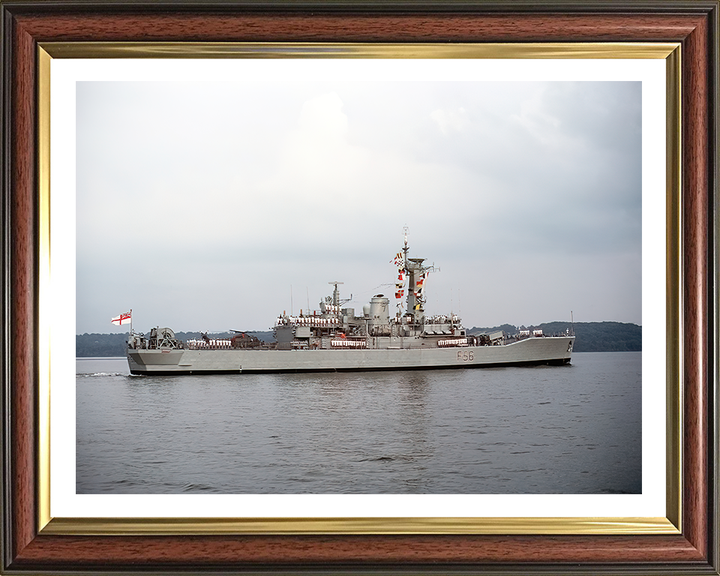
[(379, 313)]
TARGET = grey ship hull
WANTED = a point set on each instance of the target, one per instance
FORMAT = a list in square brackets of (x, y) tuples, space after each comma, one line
[(531, 351)]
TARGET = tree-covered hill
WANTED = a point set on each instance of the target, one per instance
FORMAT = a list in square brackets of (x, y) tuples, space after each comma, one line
[(94, 345), (589, 336)]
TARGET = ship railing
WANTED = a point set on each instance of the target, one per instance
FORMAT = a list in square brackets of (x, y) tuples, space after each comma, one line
[(212, 344), (443, 319), (348, 343), (452, 342), (311, 321)]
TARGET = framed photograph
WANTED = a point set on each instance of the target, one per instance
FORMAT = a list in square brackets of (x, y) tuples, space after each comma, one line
[(123, 124)]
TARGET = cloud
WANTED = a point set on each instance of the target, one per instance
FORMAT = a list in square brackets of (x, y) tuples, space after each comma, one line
[(322, 121), (217, 197), (450, 120)]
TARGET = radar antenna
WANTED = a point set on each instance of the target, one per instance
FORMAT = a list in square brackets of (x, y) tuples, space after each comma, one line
[(336, 292), (405, 245)]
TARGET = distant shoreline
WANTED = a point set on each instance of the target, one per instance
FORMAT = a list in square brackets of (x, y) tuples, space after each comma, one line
[(590, 337)]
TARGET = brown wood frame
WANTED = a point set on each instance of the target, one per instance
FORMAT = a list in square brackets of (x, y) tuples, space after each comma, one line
[(692, 23)]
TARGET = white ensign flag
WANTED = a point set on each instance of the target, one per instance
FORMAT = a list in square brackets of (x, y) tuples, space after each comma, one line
[(122, 319)]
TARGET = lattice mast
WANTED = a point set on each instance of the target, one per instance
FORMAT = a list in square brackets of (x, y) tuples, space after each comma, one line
[(416, 274)]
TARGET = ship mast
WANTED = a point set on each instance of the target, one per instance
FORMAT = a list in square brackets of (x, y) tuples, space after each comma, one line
[(416, 278), (336, 293)]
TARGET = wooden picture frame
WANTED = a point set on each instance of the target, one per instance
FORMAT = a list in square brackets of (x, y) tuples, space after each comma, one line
[(28, 547)]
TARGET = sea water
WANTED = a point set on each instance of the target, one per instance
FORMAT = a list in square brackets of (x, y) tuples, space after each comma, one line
[(572, 429)]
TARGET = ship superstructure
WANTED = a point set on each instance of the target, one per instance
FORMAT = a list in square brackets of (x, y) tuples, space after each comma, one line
[(334, 337)]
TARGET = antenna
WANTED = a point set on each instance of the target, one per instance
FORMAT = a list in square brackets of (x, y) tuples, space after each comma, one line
[(336, 292)]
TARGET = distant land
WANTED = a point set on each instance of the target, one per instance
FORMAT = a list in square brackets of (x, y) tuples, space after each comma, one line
[(590, 337)]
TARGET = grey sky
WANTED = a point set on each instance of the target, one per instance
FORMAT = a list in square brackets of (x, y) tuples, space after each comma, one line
[(203, 206)]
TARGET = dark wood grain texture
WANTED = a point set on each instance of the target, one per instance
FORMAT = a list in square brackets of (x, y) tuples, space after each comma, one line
[(695, 237), (22, 292), (358, 28), (225, 551), (693, 24)]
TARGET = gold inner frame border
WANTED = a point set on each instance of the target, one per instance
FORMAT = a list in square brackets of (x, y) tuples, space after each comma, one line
[(671, 524)]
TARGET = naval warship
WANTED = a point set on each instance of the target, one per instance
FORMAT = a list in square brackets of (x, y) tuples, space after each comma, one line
[(335, 338)]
